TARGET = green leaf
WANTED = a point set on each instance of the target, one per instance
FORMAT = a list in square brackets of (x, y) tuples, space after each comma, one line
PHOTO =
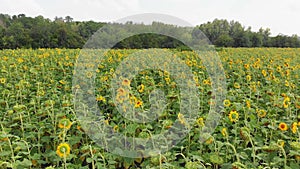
[(131, 128)]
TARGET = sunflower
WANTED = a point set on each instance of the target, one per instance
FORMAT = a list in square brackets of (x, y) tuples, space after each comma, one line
[(261, 113), (282, 126), (89, 74), (286, 83), (207, 82), (294, 127), (65, 123), (200, 121), (138, 103), (248, 78), (2, 80), (224, 132), (126, 82), (116, 128), (264, 73), (100, 98), (233, 116), (286, 102), (141, 88), (62, 82), (248, 103), (63, 150), (236, 85), (121, 92), (181, 118), (226, 103), (280, 143)]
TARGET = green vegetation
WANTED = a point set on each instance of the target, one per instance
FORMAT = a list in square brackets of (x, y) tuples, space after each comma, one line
[(259, 128), (26, 32)]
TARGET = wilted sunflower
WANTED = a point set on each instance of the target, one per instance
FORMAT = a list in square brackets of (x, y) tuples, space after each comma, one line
[(65, 123), (63, 150)]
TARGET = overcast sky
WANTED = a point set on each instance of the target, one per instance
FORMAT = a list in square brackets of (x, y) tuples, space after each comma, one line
[(281, 16)]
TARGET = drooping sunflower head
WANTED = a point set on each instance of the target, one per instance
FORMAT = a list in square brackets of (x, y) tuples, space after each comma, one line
[(65, 123), (224, 132), (63, 150)]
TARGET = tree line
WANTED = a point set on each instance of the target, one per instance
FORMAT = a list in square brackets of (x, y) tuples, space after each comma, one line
[(20, 31)]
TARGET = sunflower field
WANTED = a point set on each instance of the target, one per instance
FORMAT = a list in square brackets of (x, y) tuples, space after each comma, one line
[(259, 127)]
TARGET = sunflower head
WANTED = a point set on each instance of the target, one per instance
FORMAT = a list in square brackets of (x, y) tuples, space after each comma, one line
[(65, 123), (233, 116), (63, 150), (224, 132), (141, 88), (261, 113), (138, 104), (2, 80), (295, 127), (200, 121), (226, 103), (286, 102), (181, 118), (248, 78), (121, 92), (126, 82), (236, 85), (283, 126), (248, 103)]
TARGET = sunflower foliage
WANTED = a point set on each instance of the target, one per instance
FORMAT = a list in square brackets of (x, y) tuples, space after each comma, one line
[(259, 126)]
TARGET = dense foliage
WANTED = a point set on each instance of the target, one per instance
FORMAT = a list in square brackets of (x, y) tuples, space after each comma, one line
[(259, 128), (26, 32)]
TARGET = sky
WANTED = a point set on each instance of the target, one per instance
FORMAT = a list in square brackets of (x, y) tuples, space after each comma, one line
[(281, 16)]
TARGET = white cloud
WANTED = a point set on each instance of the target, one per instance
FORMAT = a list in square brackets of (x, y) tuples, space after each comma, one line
[(14, 7)]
